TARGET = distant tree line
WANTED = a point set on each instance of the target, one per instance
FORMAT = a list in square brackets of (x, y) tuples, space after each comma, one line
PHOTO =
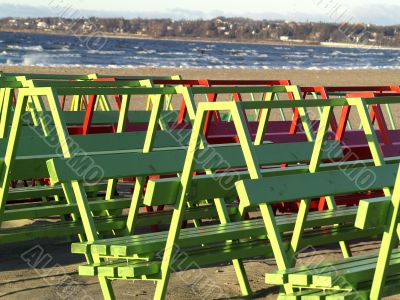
[(221, 28)]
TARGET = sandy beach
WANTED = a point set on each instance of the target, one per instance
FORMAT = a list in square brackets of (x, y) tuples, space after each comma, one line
[(301, 77), (56, 276)]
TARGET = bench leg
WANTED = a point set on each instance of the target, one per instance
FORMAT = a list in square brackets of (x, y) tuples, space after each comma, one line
[(77, 189), (242, 277), (135, 204), (11, 138), (389, 241), (106, 288), (275, 239), (196, 222), (298, 230), (398, 233), (330, 201)]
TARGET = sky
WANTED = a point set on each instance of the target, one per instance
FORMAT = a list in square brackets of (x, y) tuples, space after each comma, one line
[(338, 11)]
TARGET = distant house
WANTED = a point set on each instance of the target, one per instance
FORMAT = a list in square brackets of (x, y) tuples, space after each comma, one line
[(42, 25), (284, 38)]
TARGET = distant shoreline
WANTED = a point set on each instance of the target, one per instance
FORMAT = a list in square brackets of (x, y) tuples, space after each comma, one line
[(213, 40)]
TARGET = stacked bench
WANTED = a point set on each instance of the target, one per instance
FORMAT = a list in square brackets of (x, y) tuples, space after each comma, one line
[(138, 256), (207, 189)]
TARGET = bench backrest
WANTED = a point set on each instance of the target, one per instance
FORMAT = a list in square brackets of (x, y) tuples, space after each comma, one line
[(171, 161), (326, 183), (33, 151), (103, 117)]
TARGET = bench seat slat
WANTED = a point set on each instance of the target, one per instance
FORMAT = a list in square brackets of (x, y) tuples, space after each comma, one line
[(63, 228), (221, 185), (345, 273), (149, 242), (57, 229), (202, 256), (63, 209), (357, 273), (390, 288), (129, 269), (46, 191), (190, 237)]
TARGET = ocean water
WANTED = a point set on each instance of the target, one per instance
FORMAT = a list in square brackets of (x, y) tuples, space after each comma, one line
[(56, 50)]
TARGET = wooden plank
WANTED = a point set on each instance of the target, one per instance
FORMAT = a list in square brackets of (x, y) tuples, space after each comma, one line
[(292, 187), (46, 191), (170, 161), (372, 212), (114, 91), (285, 224), (63, 209), (356, 272)]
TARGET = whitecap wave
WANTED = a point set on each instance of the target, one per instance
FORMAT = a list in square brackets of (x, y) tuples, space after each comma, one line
[(151, 54), (37, 48), (106, 52), (62, 49), (146, 51)]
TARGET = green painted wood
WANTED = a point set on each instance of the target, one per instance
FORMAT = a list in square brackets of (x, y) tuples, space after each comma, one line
[(214, 254), (303, 275), (36, 145), (56, 229), (293, 187), (203, 256), (84, 84), (171, 161), (46, 191), (343, 274), (357, 272), (238, 89), (104, 117), (34, 151), (153, 241), (128, 269), (112, 91), (67, 228), (139, 269), (211, 254), (62, 209), (76, 76), (372, 212), (297, 295), (222, 185), (391, 288)]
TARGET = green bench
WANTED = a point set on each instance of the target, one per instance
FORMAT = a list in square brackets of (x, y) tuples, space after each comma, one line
[(222, 246), (25, 158), (138, 256), (78, 101), (367, 277), (353, 274), (33, 150), (145, 244)]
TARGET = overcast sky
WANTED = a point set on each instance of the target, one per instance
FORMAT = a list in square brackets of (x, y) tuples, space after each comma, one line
[(367, 11)]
